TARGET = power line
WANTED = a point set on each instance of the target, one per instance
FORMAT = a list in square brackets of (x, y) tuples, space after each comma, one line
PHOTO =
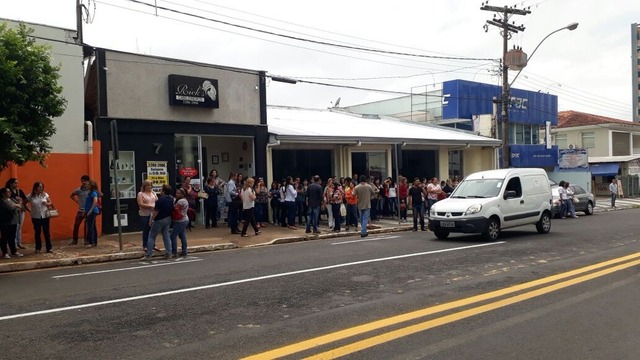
[(307, 40)]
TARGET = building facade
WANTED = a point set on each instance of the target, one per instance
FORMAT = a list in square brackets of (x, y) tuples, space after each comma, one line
[(72, 153), (635, 71), (174, 119)]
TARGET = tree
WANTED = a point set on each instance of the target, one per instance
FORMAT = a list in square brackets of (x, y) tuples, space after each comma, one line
[(30, 97)]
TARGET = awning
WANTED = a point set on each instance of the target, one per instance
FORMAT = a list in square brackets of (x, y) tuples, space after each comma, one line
[(604, 169)]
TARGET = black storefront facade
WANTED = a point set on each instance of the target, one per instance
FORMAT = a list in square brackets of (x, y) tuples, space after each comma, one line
[(174, 119)]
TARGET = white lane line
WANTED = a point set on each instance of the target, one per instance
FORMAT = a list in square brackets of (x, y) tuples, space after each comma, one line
[(235, 282), (129, 268), (362, 240)]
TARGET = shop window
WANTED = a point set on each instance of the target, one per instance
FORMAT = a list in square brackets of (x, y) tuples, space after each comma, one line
[(519, 134), (588, 140), (527, 135), (535, 135)]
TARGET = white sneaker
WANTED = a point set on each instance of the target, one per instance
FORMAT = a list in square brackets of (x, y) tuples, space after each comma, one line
[(7, 256), (18, 254)]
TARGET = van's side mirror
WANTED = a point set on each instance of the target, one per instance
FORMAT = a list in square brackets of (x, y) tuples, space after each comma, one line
[(510, 194)]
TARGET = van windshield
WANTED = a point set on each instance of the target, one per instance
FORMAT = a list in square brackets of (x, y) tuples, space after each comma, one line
[(480, 188)]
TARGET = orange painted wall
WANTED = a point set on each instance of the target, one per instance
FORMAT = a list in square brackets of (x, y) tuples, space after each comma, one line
[(60, 178)]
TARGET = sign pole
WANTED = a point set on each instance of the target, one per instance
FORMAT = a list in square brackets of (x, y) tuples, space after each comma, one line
[(116, 155)]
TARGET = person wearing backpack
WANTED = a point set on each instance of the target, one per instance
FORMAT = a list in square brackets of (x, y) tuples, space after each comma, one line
[(180, 221)]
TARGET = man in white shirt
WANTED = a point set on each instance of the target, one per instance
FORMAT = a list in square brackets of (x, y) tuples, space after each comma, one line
[(230, 196)]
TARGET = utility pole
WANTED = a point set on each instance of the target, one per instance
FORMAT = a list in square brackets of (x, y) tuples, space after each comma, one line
[(501, 20)]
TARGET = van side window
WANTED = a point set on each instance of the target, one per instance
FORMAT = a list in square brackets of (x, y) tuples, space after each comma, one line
[(514, 185)]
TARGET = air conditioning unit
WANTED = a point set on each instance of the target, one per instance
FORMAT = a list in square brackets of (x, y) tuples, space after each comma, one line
[(572, 146)]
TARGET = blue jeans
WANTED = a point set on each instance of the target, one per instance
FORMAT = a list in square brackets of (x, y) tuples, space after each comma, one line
[(337, 218), (314, 214), (364, 220), (159, 226), (374, 209), (262, 212), (179, 230), (92, 231), (144, 224), (232, 216), (418, 213), (613, 199)]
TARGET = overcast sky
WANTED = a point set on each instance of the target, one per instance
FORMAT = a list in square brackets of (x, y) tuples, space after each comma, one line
[(589, 69)]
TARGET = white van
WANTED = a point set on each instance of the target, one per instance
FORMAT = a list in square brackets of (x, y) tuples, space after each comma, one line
[(488, 201)]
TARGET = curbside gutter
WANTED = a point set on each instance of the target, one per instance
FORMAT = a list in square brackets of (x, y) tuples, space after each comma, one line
[(132, 255)]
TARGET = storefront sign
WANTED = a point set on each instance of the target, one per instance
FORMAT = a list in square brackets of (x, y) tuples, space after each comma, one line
[(573, 159), (188, 171), (461, 99), (532, 156), (193, 91), (157, 173)]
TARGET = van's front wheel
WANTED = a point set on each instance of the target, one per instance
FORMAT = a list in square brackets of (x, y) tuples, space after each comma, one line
[(493, 230), (544, 224)]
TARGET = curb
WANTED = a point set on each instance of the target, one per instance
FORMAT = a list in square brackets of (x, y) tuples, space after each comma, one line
[(94, 259)]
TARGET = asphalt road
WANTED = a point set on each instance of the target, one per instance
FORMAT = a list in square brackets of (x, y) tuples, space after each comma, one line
[(393, 296)]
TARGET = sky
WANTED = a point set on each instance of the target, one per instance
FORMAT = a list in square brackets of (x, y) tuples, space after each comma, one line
[(589, 68)]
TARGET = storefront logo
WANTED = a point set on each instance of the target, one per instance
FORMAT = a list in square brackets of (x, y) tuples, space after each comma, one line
[(193, 91)]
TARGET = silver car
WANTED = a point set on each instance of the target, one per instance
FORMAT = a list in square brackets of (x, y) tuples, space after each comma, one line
[(586, 204)]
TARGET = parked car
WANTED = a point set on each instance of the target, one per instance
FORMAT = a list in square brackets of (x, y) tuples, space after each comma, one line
[(586, 204)]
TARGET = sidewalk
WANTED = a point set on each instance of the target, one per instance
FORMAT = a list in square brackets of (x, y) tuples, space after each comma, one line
[(199, 239)]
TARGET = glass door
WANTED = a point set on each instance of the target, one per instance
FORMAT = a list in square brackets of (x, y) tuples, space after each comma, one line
[(188, 150)]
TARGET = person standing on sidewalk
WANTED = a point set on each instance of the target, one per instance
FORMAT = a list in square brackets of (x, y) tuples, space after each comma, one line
[(146, 200), (9, 217), (613, 190), (248, 203), (315, 194), (416, 197), (160, 221), (230, 196), (290, 202), (364, 192), (92, 211), (19, 197), (180, 225), (352, 204), (211, 203), (40, 204), (79, 196)]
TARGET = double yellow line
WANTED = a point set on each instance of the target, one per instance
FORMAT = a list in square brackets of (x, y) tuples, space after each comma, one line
[(604, 268)]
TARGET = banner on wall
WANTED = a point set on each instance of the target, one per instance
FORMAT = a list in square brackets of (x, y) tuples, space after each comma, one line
[(573, 159), (158, 175)]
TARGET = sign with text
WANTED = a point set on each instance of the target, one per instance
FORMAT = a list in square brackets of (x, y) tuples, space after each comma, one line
[(158, 175), (532, 156), (573, 159), (193, 91)]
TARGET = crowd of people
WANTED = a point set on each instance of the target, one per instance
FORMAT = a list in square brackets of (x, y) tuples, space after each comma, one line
[(302, 202), (346, 201)]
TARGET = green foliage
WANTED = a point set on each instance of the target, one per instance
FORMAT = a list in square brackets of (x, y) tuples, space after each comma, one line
[(29, 97)]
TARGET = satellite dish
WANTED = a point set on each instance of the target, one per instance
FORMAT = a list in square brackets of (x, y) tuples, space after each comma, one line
[(337, 102)]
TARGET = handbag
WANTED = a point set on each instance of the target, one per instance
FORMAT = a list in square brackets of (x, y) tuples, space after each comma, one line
[(343, 210), (203, 195), (575, 200), (53, 212), (176, 213)]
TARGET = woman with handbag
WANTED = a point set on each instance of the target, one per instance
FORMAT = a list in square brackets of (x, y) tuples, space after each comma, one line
[(146, 200), (91, 211), (39, 205), (336, 199), (180, 222)]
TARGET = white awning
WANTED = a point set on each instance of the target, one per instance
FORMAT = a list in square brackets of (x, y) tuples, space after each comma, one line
[(612, 159), (289, 124)]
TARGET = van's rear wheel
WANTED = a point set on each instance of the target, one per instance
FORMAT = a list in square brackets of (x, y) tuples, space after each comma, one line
[(442, 235), (544, 224), (493, 230)]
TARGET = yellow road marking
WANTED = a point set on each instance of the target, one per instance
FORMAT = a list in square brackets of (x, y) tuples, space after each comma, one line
[(378, 324), (409, 330)]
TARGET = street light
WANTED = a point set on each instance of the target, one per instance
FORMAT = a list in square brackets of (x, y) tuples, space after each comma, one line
[(506, 88), (569, 27)]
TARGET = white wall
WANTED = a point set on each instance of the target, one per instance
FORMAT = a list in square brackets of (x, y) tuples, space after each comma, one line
[(138, 88), (69, 136)]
